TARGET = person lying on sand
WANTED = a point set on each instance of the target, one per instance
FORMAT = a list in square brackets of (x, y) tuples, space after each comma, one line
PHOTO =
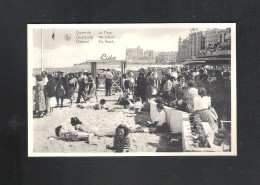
[(97, 106), (71, 135), (76, 125), (121, 139)]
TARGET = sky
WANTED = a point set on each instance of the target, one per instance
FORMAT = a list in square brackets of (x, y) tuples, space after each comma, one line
[(59, 52)]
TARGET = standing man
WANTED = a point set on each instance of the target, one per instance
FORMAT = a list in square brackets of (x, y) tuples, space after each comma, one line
[(109, 78), (82, 85)]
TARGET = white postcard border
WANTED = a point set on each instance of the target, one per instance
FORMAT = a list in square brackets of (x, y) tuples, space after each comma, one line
[(30, 57)]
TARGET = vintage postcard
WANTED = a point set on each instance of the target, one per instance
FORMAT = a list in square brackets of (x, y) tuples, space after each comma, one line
[(132, 89)]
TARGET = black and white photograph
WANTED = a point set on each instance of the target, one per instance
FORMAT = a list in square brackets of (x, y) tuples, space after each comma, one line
[(162, 89)]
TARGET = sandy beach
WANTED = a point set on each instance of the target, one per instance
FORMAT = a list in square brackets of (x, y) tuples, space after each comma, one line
[(45, 141)]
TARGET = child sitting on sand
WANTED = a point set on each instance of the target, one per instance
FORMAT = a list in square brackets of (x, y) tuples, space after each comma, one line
[(100, 105), (153, 89), (138, 105), (124, 99), (121, 139)]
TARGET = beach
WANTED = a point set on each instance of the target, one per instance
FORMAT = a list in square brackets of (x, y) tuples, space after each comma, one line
[(45, 140)]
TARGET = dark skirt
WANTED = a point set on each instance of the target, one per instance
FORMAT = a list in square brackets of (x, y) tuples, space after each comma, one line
[(71, 91), (207, 115), (124, 102)]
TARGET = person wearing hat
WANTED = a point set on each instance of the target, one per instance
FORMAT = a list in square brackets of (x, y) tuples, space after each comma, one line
[(215, 88), (82, 81), (60, 89), (204, 81), (50, 94), (164, 80), (45, 79), (148, 85), (108, 84), (198, 77), (91, 86), (140, 86), (40, 104), (72, 85)]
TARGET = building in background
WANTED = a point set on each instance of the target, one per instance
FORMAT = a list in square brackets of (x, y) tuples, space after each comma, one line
[(134, 53), (137, 56), (150, 54), (166, 57), (196, 43), (183, 49), (200, 43), (216, 36)]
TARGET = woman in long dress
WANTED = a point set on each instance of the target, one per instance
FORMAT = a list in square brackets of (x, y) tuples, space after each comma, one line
[(40, 105), (50, 94), (72, 86), (60, 90), (140, 88), (148, 85), (92, 92)]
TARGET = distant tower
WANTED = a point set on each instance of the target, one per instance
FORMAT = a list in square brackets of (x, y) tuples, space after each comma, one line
[(179, 48), (179, 43)]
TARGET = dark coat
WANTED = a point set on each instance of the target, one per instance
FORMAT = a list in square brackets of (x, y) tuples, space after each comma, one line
[(51, 88)]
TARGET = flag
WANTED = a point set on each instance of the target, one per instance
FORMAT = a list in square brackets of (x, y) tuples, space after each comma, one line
[(53, 36)]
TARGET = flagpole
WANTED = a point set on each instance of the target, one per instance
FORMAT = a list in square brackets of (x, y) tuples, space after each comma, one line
[(42, 68)]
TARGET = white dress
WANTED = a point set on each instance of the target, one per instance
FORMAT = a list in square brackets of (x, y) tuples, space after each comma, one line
[(51, 101)]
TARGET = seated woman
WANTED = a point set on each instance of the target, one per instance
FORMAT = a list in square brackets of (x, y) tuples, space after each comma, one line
[(138, 105), (189, 95), (121, 139), (202, 107), (124, 99), (160, 120)]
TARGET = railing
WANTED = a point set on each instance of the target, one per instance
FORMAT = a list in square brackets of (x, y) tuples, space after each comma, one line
[(101, 83)]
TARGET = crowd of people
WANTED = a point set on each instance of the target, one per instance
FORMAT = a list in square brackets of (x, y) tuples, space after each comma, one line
[(50, 91), (203, 93), (176, 88), (208, 95)]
